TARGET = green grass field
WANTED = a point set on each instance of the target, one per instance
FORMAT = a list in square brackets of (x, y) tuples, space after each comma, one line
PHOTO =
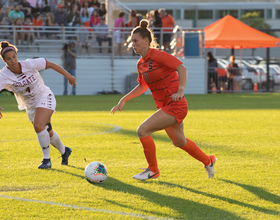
[(242, 130)]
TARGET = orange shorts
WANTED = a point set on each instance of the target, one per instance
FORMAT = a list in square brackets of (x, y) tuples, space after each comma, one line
[(178, 109)]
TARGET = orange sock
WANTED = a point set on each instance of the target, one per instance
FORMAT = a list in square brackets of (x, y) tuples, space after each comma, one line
[(150, 152), (192, 149)]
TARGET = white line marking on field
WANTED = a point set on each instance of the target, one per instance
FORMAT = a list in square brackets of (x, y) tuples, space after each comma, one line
[(115, 128), (83, 208)]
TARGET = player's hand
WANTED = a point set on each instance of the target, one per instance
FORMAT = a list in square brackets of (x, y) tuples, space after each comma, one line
[(177, 96), (1, 116), (72, 80), (119, 107)]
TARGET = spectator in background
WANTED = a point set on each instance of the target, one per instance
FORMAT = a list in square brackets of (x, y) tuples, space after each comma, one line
[(28, 34), (95, 4), (149, 18), (19, 34), (16, 13), (94, 19), (60, 16), (50, 22), (102, 10), (133, 22), (38, 21), (83, 39), (86, 6), (212, 73), (74, 19), (10, 5), (25, 7), (68, 57), (234, 75), (118, 35), (85, 18), (33, 4), (167, 22), (156, 25), (2, 16), (43, 6), (102, 32)]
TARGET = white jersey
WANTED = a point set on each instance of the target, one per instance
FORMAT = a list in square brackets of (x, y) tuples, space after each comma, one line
[(28, 86)]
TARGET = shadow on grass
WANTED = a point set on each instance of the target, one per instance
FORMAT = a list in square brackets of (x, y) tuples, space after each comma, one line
[(187, 209), (259, 192), (255, 190)]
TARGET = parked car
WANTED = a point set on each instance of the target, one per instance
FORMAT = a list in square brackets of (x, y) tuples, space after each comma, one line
[(274, 70)]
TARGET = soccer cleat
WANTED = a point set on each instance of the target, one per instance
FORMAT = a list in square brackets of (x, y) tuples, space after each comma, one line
[(147, 174), (65, 156), (46, 164), (210, 168)]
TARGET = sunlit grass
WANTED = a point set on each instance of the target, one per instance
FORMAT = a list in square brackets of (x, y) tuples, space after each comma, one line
[(241, 130)]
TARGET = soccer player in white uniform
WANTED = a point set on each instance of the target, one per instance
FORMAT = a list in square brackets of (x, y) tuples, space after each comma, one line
[(24, 80)]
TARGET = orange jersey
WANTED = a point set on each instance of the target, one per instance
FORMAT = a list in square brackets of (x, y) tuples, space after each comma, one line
[(158, 71), (167, 21)]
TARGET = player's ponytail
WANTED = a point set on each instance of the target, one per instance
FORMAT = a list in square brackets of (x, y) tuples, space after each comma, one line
[(145, 32), (5, 47)]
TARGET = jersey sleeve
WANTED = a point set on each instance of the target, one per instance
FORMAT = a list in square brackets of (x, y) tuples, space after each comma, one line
[(2, 81), (167, 60), (38, 64), (140, 78)]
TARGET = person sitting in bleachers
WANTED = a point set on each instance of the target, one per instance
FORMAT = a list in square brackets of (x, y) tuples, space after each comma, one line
[(74, 19), (37, 21), (94, 19), (10, 5), (50, 22), (102, 33), (28, 32), (19, 34), (60, 16), (83, 39), (16, 13)]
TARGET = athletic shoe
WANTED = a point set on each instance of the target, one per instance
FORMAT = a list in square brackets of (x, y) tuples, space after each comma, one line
[(46, 164), (210, 168), (147, 174), (65, 156)]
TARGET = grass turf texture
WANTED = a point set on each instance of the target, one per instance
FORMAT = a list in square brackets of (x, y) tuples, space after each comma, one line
[(242, 130)]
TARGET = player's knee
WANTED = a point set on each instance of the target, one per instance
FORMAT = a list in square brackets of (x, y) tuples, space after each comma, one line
[(179, 143), (38, 127), (141, 132)]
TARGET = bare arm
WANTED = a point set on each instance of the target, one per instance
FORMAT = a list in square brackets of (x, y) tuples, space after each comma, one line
[(183, 76), (1, 116), (138, 90), (59, 69)]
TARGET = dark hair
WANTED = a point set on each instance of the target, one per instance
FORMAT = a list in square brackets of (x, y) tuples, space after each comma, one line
[(121, 14), (145, 32), (133, 13), (5, 44), (211, 57)]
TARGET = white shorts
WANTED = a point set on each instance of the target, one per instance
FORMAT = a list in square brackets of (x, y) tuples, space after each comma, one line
[(47, 102), (118, 36)]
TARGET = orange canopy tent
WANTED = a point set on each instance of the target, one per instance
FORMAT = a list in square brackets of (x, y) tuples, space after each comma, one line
[(228, 32)]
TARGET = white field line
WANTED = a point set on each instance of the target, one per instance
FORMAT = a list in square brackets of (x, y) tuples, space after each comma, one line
[(115, 128), (82, 208)]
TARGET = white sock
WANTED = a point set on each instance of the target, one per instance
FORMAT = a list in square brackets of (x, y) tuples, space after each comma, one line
[(44, 141), (56, 142)]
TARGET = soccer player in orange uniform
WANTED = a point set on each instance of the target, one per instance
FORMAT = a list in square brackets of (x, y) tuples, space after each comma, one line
[(158, 72)]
